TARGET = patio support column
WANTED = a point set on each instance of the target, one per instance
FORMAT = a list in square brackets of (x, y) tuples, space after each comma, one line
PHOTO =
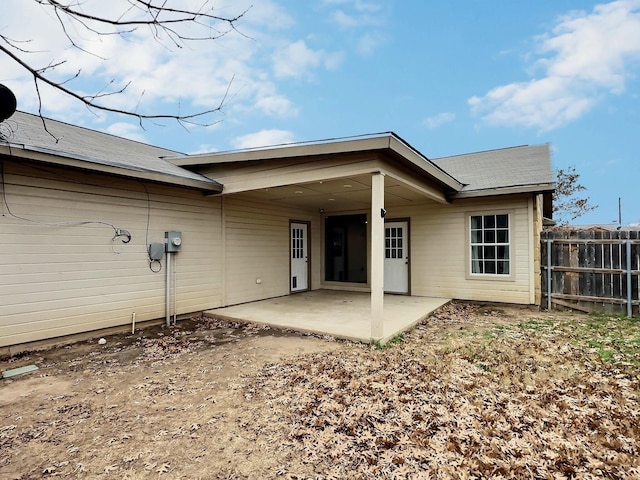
[(377, 254)]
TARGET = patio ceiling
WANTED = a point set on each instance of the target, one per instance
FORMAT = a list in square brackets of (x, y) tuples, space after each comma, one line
[(349, 193)]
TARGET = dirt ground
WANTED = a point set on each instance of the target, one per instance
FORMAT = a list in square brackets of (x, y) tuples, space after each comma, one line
[(217, 400), (166, 402)]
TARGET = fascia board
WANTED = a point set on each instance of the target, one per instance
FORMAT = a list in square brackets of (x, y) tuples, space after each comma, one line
[(288, 151), (380, 144), (540, 188), (423, 163)]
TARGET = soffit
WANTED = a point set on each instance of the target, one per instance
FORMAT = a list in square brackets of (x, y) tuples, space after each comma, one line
[(349, 193)]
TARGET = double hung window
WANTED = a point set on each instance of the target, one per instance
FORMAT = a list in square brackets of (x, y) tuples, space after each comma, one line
[(490, 244)]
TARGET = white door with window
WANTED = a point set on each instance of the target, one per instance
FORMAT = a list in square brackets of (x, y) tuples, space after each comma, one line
[(396, 257), (299, 257)]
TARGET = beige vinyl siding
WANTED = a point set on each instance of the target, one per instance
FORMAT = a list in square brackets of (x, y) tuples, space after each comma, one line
[(255, 175), (439, 243), (257, 247), (60, 280)]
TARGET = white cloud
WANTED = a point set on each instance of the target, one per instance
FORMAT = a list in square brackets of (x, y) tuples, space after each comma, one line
[(361, 15), (263, 138), (203, 148), (277, 106), (126, 130), (297, 60), (344, 20), (369, 43), (364, 19), (163, 78), (585, 56), (359, 5), (439, 119)]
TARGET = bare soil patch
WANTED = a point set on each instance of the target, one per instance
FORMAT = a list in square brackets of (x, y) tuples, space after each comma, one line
[(476, 391)]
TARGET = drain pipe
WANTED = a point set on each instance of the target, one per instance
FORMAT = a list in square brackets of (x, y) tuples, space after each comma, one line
[(168, 293), (173, 245), (175, 290)]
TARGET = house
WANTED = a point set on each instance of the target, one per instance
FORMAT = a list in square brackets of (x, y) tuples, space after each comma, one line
[(81, 208)]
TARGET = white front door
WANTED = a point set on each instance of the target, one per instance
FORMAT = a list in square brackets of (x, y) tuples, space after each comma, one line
[(299, 260), (396, 257)]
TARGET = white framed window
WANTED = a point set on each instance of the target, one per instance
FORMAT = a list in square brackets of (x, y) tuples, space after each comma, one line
[(490, 245)]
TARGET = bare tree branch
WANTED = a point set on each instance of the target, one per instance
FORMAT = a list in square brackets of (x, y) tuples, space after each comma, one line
[(566, 205), (166, 23)]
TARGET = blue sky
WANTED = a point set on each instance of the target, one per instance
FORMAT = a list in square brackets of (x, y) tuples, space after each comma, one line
[(449, 77)]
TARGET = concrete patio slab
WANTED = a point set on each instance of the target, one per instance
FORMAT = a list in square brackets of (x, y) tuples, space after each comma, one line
[(339, 314)]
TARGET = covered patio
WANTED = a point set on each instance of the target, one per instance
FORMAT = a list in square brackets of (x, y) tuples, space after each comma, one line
[(345, 315), (334, 195)]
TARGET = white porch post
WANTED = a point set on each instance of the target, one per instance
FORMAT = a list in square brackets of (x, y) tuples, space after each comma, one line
[(377, 254)]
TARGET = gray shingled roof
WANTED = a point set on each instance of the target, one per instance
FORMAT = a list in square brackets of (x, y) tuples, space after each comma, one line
[(526, 166), (27, 131), (495, 169)]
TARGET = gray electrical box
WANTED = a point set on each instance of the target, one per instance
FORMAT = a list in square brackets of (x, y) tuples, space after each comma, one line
[(156, 251), (174, 241)]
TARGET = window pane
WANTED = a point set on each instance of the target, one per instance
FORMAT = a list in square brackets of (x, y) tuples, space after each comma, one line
[(503, 268), (503, 253), (489, 236), (476, 222), (489, 252), (476, 236), (489, 221), (489, 266), (502, 236), (476, 253), (476, 266), (502, 221)]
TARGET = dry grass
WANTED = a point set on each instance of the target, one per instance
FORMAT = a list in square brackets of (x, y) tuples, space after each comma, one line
[(552, 397), (474, 392)]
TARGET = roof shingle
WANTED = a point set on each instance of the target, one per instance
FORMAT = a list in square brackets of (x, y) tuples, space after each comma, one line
[(91, 146), (494, 169)]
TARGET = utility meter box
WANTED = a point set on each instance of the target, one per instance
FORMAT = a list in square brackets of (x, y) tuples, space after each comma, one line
[(156, 251), (174, 241)]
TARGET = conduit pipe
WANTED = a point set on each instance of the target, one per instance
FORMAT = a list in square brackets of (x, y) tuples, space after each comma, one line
[(168, 293)]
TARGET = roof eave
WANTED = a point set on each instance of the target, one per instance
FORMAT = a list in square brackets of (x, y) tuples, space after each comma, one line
[(66, 160), (416, 158), (282, 151), (388, 142)]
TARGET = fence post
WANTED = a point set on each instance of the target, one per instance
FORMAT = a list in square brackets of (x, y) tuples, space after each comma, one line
[(629, 285), (549, 272)]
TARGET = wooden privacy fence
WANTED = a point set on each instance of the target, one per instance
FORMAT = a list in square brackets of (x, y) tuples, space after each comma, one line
[(591, 270)]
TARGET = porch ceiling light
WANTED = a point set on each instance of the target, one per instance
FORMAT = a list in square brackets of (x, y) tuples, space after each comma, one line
[(347, 185), (332, 199), (298, 192)]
